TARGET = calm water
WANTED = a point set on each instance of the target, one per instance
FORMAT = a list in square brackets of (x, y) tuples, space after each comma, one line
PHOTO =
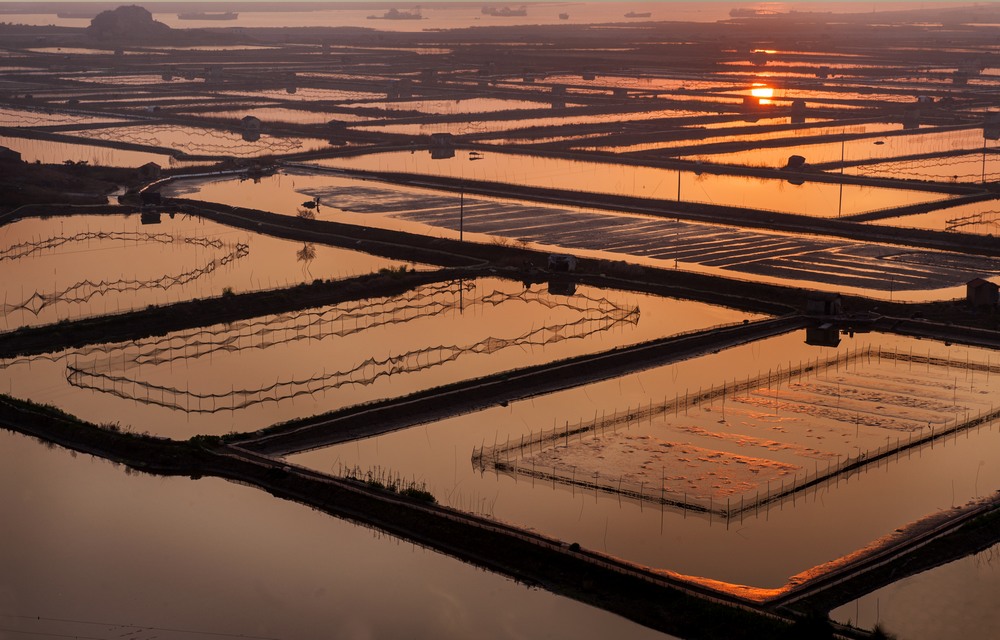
[(49, 152), (247, 375), (835, 265), (150, 552), (812, 198), (782, 430), (92, 551), (957, 600), (68, 267)]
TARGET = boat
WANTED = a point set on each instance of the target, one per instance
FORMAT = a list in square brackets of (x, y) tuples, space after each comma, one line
[(396, 14), (505, 12), (72, 15), (204, 15), (564, 16), (637, 14)]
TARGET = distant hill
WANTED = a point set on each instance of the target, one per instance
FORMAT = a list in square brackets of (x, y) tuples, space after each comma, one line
[(127, 23)]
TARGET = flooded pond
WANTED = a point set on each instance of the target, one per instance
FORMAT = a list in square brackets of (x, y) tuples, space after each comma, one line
[(310, 94), (95, 551), (281, 114), (515, 122), (839, 265), (49, 152), (870, 148), (811, 198), (982, 218), (457, 106), (246, 375), (68, 267), (649, 484), (206, 142), (867, 127), (44, 118), (983, 166)]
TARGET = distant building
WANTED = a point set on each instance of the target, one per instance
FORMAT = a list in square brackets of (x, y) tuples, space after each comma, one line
[(251, 128), (442, 146), (250, 123), (824, 304), (982, 293), (796, 162), (442, 140), (150, 171), (799, 111)]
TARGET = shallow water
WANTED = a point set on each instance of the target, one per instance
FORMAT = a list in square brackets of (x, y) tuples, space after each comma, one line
[(93, 551), (957, 600), (762, 548), (868, 149), (48, 152), (68, 267), (207, 142), (813, 199), (865, 268), (246, 375), (981, 218)]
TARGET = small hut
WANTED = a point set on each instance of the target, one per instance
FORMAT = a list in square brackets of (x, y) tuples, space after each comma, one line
[(982, 293), (824, 304)]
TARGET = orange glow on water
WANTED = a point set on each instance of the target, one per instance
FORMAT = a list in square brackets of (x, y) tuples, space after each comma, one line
[(762, 92)]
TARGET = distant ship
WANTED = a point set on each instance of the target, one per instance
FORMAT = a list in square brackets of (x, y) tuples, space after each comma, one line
[(396, 14), (505, 12), (564, 16), (75, 16), (636, 14), (201, 15)]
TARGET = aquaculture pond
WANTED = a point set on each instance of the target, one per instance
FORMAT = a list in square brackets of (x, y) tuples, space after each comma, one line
[(698, 467), (721, 138), (868, 149), (515, 122), (206, 142), (51, 152), (811, 198), (67, 267), (35, 118), (982, 166), (93, 551), (845, 266), (249, 374), (982, 218)]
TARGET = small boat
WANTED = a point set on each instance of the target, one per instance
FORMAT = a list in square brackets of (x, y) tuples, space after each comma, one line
[(564, 16), (637, 14), (504, 12), (396, 14)]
